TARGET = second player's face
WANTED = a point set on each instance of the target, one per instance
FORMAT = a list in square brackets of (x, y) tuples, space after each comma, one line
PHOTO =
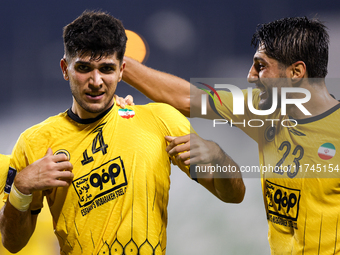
[(267, 73), (93, 83)]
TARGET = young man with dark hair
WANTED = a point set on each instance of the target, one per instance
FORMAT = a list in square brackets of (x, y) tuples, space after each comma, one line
[(106, 171), (302, 204)]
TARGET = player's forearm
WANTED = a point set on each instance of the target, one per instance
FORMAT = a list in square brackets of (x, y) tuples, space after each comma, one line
[(16, 227), (228, 184), (158, 86)]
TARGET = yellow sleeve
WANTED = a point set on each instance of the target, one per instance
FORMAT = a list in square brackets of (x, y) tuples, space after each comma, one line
[(173, 123), (225, 110), (21, 157), (4, 167)]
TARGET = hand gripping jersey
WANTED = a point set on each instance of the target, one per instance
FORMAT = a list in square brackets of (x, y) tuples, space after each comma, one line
[(299, 164), (117, 201)]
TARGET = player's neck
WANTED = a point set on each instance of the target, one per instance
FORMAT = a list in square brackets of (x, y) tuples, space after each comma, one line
[(320, 102)]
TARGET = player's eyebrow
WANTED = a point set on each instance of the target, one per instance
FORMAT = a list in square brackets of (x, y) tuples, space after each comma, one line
[(81, 62), (259, 59)]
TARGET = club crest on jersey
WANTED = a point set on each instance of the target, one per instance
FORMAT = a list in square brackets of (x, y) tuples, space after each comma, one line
[(326, 151), (126, 113), (63, 151), (269, 134)]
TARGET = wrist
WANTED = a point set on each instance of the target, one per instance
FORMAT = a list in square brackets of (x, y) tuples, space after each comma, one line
[(219, 154), (19, 200)]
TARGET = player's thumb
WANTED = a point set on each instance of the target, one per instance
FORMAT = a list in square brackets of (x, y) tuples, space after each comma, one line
[(49, 152), (169, 138)]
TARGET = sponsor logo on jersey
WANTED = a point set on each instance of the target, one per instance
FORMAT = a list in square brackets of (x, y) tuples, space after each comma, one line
[(326, 151), (282, 201), (126, 113), (102, 184)]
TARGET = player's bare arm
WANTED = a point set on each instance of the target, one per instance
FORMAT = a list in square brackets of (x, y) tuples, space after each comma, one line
[(191, 149), (166, 88), (16, 225)]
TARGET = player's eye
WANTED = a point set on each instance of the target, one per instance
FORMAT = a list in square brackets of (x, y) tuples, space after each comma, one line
[(259, 66), (107, 69), (83, 68)]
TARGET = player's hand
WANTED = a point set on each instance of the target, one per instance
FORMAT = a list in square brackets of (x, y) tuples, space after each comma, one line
[(192, 149), (122, 102), (48, 172), (179, 147)]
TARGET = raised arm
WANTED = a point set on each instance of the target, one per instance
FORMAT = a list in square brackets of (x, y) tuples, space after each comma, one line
[(226, 185), (165, 88), (17, 223)]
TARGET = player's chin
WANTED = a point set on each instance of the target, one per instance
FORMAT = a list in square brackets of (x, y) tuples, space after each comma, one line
[(265, 104), (96, 110)]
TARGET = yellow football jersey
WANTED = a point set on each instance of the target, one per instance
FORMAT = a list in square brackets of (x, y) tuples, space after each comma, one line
[(300, 168), (117, 202), (4, 166)]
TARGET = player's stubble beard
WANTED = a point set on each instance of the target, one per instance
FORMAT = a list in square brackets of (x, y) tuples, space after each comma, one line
[(87, 106), (278, 83)]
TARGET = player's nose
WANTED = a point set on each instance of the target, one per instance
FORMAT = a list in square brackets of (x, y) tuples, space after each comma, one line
[(253, 75), (96, 78)]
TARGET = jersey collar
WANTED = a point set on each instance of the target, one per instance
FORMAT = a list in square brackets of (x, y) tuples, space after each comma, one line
[(76, 118)]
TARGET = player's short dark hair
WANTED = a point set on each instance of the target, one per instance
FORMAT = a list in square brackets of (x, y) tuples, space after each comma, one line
[(95, 34), (290, 40)]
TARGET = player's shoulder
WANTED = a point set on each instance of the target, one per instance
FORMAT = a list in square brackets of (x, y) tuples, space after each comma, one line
[(158, 107), (161, 112), (46, 125)]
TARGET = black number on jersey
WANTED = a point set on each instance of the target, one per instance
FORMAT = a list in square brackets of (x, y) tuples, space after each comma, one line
[(98, 145), (297, 149)]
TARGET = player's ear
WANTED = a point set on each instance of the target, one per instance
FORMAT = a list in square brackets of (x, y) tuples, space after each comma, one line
[(63, 66), (298, 71), (122, 67)]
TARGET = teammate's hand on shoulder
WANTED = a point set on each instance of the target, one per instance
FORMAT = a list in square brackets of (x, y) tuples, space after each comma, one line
[(48, 172), (122, 102)]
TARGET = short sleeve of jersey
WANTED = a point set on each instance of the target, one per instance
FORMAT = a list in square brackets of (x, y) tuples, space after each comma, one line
[(4, 166), (172, 123), (21, 157), (225, 110)]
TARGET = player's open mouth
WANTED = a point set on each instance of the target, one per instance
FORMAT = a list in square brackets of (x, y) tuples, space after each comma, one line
[(261, 87), (95, 96)]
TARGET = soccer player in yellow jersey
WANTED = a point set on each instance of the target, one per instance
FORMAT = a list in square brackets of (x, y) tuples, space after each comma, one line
[(103, 170), (4, 166), (302, 194)]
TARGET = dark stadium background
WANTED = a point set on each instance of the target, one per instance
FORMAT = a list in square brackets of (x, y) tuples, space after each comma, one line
[(202, 38)]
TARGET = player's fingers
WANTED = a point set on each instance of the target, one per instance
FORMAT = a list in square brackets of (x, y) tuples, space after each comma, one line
[(65, 175), (183, 156), (178, 149), (169, 138), (49, 152), (60, 158), (176, 141), (64, 166), (119, 101), (129, 100)]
